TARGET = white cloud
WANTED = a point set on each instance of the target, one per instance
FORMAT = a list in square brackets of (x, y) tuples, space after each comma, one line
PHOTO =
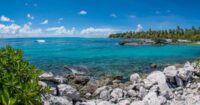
[(113, 15), (139, 28), (26, 30), (29, 16), (5, 19), (97, 32), (82, 12), (61, 30), (9, 29), (45, 22), (17, 30), (14, 30)]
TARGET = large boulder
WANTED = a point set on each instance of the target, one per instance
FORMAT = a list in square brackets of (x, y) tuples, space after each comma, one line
[(152, 99), (154, 78), (59, 79), (186, 72), (184, 75), (148, 84), (154, 88), (68, 91), (47, 76), (99, 90), (134, 78), (117, 93), (142, 92), (105, 95), (158, 77), (132, 93), (189, 67), (179, 77), (170, 73)]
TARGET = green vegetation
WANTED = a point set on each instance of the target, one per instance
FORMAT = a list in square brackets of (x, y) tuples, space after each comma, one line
[(18, 79), (197, 61), (192, 34)]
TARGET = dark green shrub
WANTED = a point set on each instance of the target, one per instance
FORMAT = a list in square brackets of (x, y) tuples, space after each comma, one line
[(18, 79)]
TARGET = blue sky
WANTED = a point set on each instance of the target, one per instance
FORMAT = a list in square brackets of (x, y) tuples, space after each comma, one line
[(93, 18)]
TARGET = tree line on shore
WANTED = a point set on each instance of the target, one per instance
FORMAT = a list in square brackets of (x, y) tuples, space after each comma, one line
[(192, 34)]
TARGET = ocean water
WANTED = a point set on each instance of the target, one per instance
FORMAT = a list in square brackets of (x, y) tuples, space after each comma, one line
[(101, 56)]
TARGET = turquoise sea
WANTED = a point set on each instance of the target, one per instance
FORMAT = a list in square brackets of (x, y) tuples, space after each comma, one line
[(100, 55)]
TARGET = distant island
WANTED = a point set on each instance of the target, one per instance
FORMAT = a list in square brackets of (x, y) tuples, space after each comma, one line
[(170, 36)]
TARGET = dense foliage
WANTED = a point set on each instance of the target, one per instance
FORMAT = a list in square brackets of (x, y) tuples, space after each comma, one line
[(18, 79), (192, 34)]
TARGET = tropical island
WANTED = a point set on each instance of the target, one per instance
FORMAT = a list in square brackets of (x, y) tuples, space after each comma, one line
[(171, 36), (99, 52)]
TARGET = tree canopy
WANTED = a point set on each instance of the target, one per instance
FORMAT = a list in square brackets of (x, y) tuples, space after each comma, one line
[(192, 34)]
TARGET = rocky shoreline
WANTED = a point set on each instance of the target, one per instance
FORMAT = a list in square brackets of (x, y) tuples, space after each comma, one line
[(140, 42), (175, 85)]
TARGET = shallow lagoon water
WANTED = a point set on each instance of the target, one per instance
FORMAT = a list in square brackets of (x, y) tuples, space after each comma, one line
[(100, 55)]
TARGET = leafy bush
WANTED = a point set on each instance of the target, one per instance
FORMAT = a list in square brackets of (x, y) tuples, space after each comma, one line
[(18, 79)]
